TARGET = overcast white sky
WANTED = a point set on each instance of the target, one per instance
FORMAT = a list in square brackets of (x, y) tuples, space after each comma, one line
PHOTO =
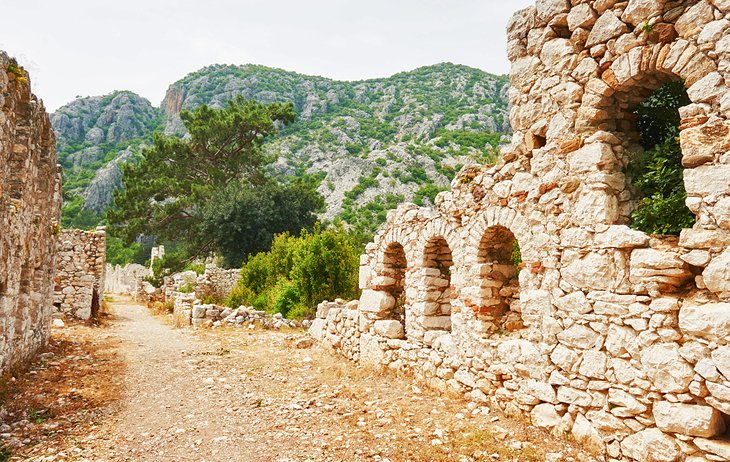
[(92, 47)]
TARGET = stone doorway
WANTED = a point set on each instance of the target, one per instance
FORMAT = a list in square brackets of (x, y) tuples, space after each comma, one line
[(437, 263), (499, 259)]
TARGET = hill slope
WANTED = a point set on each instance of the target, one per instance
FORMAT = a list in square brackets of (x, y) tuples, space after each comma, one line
[(373, 143)]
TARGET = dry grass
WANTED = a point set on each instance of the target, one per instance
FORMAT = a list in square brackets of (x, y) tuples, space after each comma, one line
[(65, 393)]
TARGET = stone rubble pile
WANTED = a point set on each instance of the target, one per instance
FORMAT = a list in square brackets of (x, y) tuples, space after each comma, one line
[(619, 338), (79, 281), (30, 207)]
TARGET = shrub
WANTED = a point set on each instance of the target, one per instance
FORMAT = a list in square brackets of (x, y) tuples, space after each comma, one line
[(657, 173)]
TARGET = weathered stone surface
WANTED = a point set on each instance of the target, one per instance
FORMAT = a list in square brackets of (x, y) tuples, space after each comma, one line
[(641, 11), (389, 329), (30, 202), (608, 26), (710, 321), (651, 445), (688, 419), (719, 448), (545, 416), (666, 368), (717, 275), (376, 301)]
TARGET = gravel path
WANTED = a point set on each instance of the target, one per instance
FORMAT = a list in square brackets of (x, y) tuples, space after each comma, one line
[(252, 395)]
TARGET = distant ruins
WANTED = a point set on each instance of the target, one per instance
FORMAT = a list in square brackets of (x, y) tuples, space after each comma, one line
[(620, 338), (30, 204), (79, 281)]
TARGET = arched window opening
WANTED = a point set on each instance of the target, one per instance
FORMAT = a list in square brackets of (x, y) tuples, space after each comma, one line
[(655, 160), (500, 260), (437, 262), (394, 279)]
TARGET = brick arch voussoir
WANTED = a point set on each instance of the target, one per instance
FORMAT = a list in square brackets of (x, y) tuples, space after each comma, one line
[(441, 228), (679, 60), (507, 218)]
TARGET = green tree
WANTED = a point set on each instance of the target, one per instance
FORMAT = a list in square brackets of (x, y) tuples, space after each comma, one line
[(243, 220), (167, 193)]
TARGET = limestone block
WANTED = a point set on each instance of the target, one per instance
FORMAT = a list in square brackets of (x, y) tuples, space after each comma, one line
[(545, 416), (584, 433), (720, 448), (571, 395), (703, 143), (708, 320), (692, 21), (547, 9), (595, 205), (641, 11), (389, 328), (593, 364), (376, 301), (697, 257), (608, 26), (435, 322), (703, 238), (688, 419), (721, 358), (651, 445), (591, 271), (651, 265), (199, 311), (717, 275), (621, 237), (666, 369), (317, 328), (581, 336), (707, 179)]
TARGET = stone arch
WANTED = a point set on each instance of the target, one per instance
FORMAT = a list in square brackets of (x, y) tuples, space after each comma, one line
[(492, 284), (436, 267), (608, 130)]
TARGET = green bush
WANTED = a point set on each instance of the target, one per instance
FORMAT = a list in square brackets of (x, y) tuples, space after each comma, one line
[(657, 173), (299, 272)]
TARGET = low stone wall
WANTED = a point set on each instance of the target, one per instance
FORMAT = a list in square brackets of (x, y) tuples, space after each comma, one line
[(30, 204), (124, 279), (80, 272)]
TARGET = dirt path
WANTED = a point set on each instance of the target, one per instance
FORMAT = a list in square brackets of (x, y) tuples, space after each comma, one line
[(251, 395)]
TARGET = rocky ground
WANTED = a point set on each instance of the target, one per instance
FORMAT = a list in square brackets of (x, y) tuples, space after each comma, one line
[(138, 390)]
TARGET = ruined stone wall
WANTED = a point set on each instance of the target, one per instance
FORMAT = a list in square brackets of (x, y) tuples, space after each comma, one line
[(124, 279), (79, 281), (30, 201), (216, 282), (621, 338)]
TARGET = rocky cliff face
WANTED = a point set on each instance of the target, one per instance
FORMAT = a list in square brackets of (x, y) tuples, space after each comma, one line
[(373, 143), (95, 135)]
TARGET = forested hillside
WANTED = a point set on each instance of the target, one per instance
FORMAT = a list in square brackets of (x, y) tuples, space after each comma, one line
[(372, 144)]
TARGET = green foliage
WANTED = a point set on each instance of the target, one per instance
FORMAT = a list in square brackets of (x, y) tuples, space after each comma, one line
[(198, 267), (516, 256), (657, 173), (187, 288), (171, 192), (299, 272), (119, 253), (243, 221), (428, 192)]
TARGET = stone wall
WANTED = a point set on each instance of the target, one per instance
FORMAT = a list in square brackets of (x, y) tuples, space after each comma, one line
[(216, 283), (80, 272), (30, 201), (621, 338), (124, 279)]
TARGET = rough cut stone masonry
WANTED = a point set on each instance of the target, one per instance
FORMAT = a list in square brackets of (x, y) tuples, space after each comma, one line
[(79, 282), (620, 338), (30, 202)]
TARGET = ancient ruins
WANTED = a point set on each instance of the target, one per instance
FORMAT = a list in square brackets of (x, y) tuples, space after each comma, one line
[(30, 203), (79, 281), (620, 338)]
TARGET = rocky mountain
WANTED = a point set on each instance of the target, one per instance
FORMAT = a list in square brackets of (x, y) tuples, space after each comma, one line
[(94, 136), (372, 143)]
